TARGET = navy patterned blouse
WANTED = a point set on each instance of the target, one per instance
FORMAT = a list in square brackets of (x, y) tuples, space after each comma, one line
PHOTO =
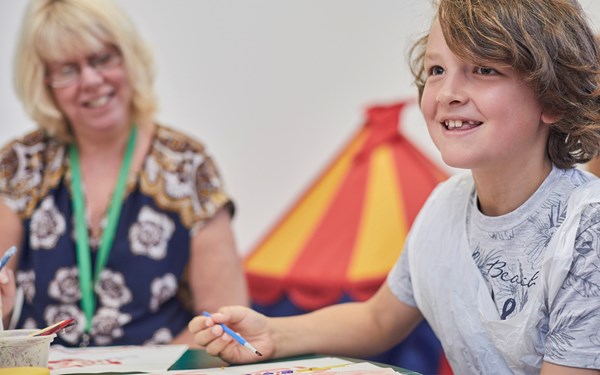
[(141, 294)]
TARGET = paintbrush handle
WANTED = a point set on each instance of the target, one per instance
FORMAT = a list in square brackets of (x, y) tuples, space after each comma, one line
[(54, 328), (9, 253), (235, 336)]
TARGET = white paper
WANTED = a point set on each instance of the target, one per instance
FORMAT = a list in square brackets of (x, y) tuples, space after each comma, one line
[(121, 359)]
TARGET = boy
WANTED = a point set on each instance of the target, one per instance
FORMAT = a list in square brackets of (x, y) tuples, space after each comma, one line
[(502, 262)]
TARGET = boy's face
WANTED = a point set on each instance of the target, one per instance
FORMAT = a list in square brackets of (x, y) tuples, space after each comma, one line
[(480, 116)]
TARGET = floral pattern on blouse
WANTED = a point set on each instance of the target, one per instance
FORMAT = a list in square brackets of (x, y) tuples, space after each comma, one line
[(26, 280), (47, 225), (162, 336), (149, 235), (65, 285), (176, 192), (112, 289), (162, 289)]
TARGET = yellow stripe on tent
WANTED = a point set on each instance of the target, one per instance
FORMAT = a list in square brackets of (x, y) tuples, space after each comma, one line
[(274, 257), (383, 227)]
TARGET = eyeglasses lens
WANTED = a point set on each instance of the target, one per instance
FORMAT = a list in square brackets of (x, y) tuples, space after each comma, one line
[(68, 74)]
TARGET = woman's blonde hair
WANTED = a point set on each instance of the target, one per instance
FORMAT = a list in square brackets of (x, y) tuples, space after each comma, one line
[(550, 44), (53, 29)]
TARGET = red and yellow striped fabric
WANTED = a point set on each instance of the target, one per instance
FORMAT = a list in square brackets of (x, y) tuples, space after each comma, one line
[(345, 232)]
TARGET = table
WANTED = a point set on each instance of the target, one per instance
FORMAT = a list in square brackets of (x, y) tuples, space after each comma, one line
[(198, 359)]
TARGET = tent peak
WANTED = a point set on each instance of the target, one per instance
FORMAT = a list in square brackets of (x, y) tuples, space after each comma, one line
[(382, 124)]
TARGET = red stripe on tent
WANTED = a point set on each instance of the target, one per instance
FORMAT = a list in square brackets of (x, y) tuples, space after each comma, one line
[(416, 174), (321, 267), (355, 141), (363, 290), (265, 290)]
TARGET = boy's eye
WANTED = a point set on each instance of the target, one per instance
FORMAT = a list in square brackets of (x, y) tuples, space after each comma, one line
[(485, 70), (436, 70)]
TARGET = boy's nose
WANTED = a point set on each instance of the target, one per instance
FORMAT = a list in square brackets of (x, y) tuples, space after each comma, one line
[(452, 90)]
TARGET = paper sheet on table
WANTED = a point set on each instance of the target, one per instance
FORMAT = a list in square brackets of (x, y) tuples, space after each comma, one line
[(120, 359), (320, 366)]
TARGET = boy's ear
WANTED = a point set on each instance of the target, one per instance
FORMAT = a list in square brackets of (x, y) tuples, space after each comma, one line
[(550, 118)]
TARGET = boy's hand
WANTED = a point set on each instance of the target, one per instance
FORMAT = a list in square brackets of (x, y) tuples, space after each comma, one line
[(252, 326)]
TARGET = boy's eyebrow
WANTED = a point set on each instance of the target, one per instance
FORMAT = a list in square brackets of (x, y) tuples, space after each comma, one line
[(431, 55)]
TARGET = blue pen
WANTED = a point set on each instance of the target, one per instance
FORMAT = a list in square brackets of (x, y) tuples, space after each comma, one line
[(235, 336), (9, 253)]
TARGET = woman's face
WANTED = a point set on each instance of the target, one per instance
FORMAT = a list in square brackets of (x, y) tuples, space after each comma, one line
[(92, 90)]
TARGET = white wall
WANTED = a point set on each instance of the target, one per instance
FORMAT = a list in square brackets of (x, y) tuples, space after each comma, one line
[(273, 87)]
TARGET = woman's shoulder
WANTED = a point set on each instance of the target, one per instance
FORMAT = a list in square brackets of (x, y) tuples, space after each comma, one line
[(181, 177), (32, 138), (175, 151), (30, 165), (34, 150), (168, 138)]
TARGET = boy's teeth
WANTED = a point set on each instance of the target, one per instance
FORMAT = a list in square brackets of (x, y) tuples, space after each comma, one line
[(451, 124)]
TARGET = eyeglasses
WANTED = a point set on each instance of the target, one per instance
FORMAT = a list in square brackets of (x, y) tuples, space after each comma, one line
[(68, 74)]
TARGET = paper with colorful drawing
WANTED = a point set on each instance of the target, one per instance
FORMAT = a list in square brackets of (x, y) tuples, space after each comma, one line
[(120, 359), (316, 366), (156, 360)]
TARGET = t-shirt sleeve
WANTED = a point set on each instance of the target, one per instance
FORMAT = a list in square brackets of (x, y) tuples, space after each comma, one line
[(574, 325), (399, 280)]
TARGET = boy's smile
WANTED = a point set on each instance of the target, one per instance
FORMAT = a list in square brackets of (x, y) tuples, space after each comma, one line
[(459, 124)]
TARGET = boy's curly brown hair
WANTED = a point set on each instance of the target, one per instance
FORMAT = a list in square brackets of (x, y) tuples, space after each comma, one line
[(550, 44)]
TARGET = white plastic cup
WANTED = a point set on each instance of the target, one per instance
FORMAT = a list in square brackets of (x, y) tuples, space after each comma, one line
[(18, 349)]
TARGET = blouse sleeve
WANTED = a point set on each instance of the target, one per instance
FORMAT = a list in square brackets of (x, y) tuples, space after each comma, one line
[(29, 166), (182, 177)]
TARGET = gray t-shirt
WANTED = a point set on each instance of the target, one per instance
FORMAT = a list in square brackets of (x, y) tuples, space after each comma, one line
[(509, 249)]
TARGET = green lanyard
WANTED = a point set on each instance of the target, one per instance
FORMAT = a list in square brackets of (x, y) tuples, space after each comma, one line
[(84, 262)]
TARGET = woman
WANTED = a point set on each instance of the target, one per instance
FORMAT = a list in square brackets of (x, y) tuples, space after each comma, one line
[(121, 223)]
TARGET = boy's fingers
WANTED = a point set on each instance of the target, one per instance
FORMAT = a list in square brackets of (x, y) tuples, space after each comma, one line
[(199, 323), (230, 315), (204, 336), (219, 343)]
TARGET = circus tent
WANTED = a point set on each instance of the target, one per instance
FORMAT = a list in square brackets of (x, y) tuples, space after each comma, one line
[(339, 240)]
